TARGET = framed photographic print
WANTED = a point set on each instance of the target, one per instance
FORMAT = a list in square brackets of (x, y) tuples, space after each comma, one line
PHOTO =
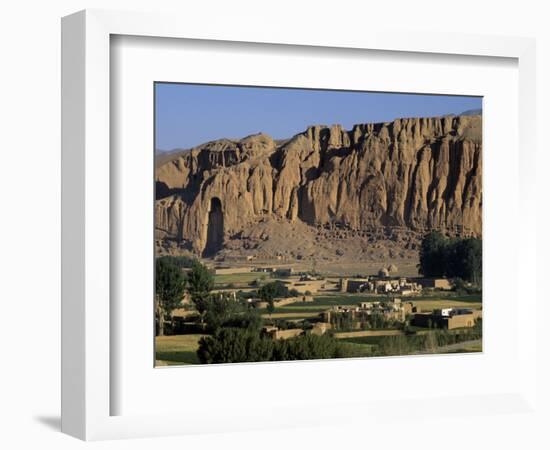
[(269, 247), (305, 241)]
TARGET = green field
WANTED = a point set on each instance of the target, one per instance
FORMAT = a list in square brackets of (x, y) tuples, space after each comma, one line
[(290, 315), (468, 348), (425, 302), (301, 310), (359, 350), (296, 309), (364, 340), (177, 350), (239, 279)]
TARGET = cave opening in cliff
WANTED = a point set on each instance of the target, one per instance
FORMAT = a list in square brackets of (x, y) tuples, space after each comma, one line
[(214, 233)]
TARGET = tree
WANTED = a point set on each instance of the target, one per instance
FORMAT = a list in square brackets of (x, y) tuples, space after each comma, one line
[(465, 260), (453, 258), (200, 283), (183, 262), (433, 255), (169, 289), (229, 345), (267, 293), (273, 290), (249, 319), (270, 307), (218, 309)]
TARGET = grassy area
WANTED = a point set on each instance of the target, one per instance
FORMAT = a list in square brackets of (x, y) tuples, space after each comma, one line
[(359, 350), (294, 309), (177, 350), (301, 310), (239, 279), (467, 298), (364, 340), (426, 302), (470, 348), (290, 315)]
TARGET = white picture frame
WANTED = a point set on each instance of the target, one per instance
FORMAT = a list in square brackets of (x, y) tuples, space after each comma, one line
[(88, 386)]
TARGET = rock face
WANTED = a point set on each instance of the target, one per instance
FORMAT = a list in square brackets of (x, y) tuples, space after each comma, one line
[(410, 175)]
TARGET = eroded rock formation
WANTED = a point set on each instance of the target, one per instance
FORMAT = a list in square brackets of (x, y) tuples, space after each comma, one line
[(410, 174)]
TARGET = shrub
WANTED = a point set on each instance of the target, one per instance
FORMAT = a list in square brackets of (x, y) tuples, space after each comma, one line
[(249, 320), (309, 346), (230, 345)]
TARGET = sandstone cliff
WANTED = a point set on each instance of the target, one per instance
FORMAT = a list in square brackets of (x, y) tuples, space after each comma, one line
[(403, 177)]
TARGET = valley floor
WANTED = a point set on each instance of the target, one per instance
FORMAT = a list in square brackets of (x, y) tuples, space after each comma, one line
[(181, 349)]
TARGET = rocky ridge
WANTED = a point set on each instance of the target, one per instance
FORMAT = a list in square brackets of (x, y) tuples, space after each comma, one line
[(386, 181)]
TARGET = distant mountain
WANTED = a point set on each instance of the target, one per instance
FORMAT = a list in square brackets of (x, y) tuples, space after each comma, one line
[(471, 112), (164, 156)]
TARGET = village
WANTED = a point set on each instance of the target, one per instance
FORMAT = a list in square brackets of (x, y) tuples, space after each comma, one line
[(364, 311)]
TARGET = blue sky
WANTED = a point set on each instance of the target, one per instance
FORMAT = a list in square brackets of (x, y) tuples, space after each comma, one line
[(190, 114)]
